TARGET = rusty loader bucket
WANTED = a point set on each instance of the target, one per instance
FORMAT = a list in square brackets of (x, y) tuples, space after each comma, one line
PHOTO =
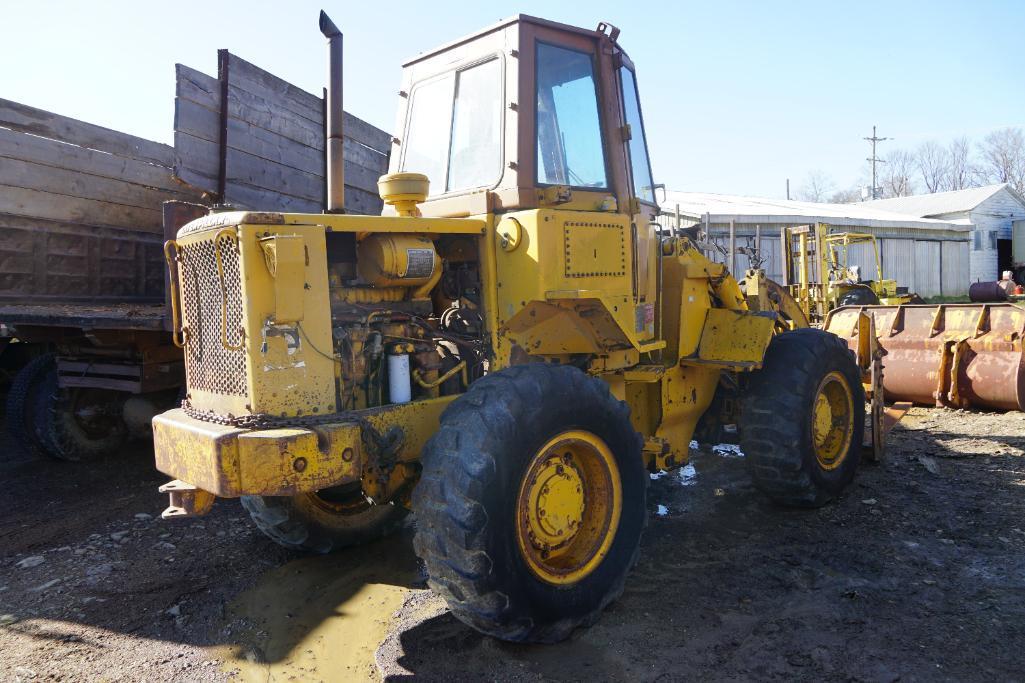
[(954, 355)]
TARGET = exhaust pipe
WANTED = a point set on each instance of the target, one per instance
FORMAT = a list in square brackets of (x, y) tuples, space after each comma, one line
[(335, 159)]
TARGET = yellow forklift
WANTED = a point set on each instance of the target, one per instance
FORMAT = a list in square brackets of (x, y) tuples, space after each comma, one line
[(819, 271)]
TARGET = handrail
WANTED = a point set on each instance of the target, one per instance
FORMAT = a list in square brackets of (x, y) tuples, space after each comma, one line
[(179, 333), (230, 234)]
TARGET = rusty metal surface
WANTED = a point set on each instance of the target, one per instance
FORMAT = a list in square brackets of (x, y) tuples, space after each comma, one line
[(186, 500), (893, 414), (955, 355)]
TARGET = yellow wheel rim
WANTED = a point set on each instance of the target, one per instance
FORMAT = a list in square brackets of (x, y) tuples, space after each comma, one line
[(568, 508), (349, 502), (832, 421)]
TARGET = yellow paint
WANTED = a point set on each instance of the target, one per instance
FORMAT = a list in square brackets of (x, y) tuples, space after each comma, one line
[(832, 421), (171, 259), (337, 223), (230, 462), (285, 258), (568, 286), (764, 295), (287, 373), (555, 283), (734, 338), (404, 191), (686, 393), (568, 508), (398, 260)]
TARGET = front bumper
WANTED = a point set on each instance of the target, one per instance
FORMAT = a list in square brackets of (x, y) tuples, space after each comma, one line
[(229, 461)]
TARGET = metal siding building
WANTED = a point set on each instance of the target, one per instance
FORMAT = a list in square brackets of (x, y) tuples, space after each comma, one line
[(987, 212), (927, 256)]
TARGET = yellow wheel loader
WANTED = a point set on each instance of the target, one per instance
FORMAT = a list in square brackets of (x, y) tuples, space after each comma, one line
[(508, 352)]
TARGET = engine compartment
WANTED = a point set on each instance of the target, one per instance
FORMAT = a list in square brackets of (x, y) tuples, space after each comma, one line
[(406, 318)]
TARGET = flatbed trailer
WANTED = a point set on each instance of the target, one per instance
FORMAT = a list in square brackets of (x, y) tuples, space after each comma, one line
[(85, 316)]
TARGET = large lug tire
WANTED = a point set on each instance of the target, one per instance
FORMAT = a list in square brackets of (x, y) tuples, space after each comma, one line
[(858, 296), (77, 424), (21, 397), (526, 442), (324, 521), (803, 419)]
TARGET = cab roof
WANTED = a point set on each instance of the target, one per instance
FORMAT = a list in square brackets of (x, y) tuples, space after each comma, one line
[(508, 21)]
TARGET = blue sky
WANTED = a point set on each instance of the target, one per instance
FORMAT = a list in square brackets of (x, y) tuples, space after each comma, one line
[(737, 96)]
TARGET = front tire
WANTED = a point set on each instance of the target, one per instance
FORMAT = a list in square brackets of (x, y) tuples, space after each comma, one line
[(803, 419), (532, 502)]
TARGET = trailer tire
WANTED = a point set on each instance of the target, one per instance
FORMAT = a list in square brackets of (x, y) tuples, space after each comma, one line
[(803, 418), (20, 398), (482, 465), (311, 523), (59, 428)]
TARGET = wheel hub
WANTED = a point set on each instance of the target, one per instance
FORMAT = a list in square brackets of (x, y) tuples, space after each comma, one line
[(556, 502), (832, 420), (568, 507)]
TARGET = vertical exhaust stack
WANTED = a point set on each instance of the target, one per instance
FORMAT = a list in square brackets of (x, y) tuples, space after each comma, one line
[(335, 159)]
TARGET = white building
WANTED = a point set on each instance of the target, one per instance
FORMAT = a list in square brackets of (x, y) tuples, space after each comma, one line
[(987, 211), (926, 255)]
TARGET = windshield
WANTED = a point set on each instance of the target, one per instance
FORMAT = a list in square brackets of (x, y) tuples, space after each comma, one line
[(644, 188), (569, 144), (455, 129)]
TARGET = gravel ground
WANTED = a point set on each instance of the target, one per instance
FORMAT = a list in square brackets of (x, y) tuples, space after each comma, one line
[(918, 573)]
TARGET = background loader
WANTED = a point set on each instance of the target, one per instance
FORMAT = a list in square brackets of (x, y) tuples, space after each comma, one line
[(508, 351)]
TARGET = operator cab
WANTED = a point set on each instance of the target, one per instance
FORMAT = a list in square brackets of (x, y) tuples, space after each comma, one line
[(527, 113)]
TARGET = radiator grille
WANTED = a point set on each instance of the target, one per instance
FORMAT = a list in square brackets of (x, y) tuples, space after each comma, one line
[(209, 366)]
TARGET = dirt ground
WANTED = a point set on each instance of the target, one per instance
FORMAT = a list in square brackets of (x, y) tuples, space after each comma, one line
[(918, 573)]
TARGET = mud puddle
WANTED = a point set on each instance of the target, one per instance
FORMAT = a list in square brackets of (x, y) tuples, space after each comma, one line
[(323, 617)]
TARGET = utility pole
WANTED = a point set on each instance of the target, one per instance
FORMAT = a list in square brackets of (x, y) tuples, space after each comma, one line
[(875, 160)]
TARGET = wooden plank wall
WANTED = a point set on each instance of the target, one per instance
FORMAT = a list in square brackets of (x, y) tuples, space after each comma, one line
[(273, 142), (80, 212)]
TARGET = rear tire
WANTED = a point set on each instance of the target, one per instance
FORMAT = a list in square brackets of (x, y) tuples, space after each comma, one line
[(21, 396), (77, 424), (324, 521), (484, 491), (793, 458)]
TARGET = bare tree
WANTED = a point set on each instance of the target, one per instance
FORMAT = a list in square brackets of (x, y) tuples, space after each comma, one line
[(848, 196), (960, 170), (1002, 158), (816, 188), (933, 162), (897, 174)]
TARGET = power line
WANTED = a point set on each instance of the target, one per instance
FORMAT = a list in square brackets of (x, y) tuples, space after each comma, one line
[(875, 160)]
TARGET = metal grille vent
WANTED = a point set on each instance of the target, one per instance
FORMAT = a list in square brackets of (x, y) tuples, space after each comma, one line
[(209, 366)]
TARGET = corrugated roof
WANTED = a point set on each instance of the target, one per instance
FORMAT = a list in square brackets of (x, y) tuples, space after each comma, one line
[(725, 207), (938, 203)]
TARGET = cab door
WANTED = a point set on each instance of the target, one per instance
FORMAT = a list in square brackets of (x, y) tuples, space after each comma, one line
[(643, 207)]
